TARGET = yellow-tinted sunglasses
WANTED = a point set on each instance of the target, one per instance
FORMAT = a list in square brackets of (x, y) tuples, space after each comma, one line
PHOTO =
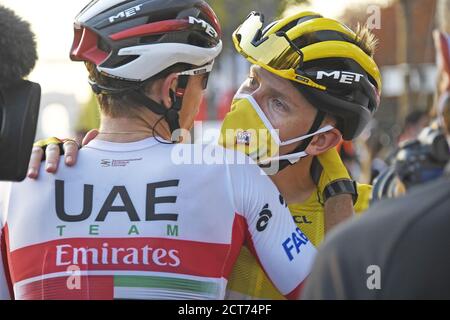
[(275, 53)]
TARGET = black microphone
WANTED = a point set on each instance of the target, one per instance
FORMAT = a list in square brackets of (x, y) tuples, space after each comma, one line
[(17, 48), (19, 98)]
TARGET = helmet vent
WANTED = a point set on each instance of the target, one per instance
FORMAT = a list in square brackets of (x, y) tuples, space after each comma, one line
[(151, 39), (124, 61), (320, 36)]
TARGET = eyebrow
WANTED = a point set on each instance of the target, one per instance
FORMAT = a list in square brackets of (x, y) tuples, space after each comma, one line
[(273, 90)]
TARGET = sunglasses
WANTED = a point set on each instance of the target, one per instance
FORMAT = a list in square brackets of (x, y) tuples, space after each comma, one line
[(203, 70), (278, 54)]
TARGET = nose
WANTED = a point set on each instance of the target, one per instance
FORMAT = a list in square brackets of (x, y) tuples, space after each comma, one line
[(260, 96)]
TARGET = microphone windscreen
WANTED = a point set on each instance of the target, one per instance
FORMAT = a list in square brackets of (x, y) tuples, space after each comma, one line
[(18, 53)]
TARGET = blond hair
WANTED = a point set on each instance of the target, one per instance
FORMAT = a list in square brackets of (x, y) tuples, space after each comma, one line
[(365, 39)]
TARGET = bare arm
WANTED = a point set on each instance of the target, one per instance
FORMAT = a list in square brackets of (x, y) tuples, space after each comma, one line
[(337, 210), (338, 205)]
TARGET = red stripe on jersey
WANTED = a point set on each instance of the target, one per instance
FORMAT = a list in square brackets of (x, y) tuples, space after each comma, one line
[(90, 288), (238, 235), (136, 254), (295, 294), (251, 247), (4, 246)]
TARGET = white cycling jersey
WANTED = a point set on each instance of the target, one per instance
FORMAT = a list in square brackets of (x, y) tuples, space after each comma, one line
[(128, 223)]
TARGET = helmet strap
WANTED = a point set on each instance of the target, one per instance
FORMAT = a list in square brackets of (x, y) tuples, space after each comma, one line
[(171, 115), (137, 94), (320, 116)]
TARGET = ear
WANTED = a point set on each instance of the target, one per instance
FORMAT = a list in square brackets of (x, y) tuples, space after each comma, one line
[(323, 142), (169, 83)]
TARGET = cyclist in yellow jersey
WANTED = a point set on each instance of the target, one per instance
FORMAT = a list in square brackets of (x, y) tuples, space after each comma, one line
[(248, 280), (313, 81)]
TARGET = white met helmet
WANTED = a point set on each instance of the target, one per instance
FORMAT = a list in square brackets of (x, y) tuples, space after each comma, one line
[(134, 40)]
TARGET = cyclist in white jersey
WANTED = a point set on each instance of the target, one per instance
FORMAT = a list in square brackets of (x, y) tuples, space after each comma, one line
[(127, 221)]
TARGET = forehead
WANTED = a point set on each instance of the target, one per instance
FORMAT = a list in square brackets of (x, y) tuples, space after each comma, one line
[(280, 85), (272, 79)]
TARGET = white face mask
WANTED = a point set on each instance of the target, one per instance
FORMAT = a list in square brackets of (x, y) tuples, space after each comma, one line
[(244, 120)]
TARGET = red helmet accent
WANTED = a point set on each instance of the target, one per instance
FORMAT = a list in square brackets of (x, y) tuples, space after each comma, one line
[(85, 48), (209, 12), (151, 29), (156, 33)]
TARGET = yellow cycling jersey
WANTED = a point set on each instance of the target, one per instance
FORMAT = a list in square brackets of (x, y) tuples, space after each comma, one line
[(248, 280)]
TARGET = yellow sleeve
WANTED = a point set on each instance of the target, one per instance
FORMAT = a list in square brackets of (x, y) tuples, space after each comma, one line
[(364, 197), (333, 168)]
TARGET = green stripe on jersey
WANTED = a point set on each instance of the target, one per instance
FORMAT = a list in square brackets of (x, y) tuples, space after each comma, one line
[(166, 283)]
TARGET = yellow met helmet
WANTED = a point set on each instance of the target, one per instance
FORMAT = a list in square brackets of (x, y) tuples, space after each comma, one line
[(323, 60)]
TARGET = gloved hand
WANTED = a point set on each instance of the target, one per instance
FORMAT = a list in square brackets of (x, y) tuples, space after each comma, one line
[(331, 176), (51, 150)]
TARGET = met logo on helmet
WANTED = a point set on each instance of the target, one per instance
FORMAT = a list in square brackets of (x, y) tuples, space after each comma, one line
[(205, 25), (343, 76), (126, 13)]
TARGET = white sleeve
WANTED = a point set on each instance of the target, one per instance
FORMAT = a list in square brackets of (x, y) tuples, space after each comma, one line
[(4, 290), (282, 249)]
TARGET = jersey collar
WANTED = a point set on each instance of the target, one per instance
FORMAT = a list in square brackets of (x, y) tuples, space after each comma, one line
[(124, 147)]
